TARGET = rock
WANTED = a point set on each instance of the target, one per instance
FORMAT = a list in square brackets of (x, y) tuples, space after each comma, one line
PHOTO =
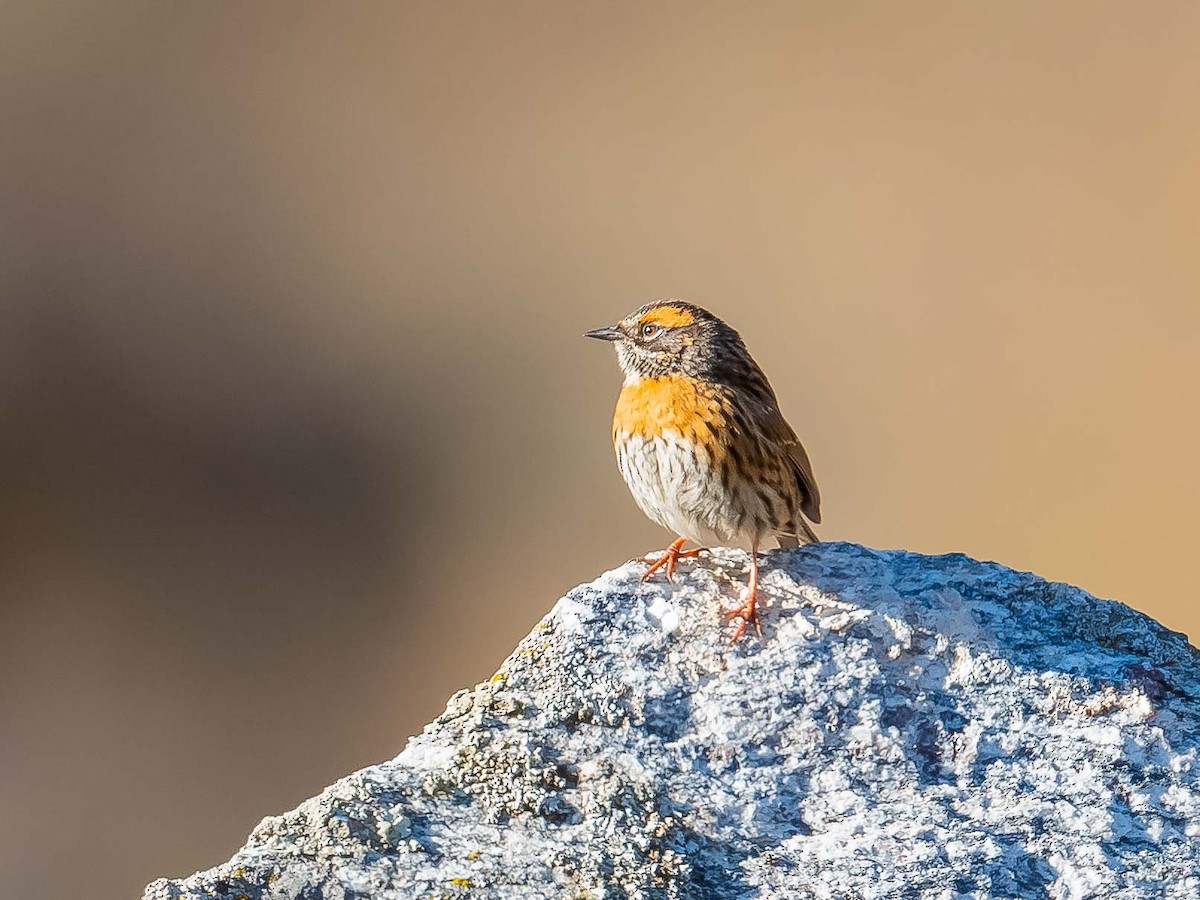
[(910, 726)]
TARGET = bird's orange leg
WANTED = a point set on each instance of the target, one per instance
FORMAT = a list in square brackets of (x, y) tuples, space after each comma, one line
[(670, 558), (748, 611)]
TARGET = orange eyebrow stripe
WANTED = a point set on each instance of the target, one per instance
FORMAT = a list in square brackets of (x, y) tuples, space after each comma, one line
[(669, 317)]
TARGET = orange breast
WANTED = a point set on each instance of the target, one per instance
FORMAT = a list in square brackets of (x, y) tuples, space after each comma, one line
[(670, 403)]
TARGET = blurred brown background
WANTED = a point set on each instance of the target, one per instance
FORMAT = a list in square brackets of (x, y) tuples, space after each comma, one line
[(298, 434)]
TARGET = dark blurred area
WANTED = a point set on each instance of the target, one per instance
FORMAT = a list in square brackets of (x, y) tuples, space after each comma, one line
[(298, 434)]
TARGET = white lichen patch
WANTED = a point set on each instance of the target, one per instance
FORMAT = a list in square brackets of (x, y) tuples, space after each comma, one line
[(908, 726), (664, 613)]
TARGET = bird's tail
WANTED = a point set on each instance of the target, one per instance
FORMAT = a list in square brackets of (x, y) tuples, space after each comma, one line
[(794, 539)]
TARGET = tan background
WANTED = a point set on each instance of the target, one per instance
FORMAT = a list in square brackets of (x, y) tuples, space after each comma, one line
[(297, 431)]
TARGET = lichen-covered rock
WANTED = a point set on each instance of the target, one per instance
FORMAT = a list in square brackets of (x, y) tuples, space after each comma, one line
[(908, 726)]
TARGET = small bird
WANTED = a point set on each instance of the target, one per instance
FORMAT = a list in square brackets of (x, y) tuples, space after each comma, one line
[(701, 442)]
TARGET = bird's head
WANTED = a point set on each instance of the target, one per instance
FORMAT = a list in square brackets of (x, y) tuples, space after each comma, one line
[(671, 337)]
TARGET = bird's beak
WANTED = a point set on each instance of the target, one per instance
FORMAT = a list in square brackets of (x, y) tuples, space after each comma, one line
[(608, 333)]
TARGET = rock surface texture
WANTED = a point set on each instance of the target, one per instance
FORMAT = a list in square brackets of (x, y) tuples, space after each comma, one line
[(909, 726)]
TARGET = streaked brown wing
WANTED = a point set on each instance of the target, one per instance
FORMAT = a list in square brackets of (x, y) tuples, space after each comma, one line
[(756, 412), (781, 433)]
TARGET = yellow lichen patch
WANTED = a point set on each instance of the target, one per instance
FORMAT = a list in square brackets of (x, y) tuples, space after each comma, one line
[(461, 882), (474, 854), (668, 316)]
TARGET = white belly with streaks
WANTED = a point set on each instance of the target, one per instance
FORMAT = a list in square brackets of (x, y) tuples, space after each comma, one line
[(674, 484)]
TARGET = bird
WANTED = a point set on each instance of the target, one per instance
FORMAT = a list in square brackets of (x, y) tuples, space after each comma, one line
[(702, 444)]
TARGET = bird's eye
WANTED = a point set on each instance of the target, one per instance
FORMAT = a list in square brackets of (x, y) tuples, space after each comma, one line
[(650, 330)]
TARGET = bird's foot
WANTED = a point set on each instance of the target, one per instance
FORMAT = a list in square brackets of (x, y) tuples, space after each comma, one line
[(748, 613), (670, 558)]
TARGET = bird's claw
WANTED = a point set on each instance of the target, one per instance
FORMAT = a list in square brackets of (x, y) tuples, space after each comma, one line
[(669, 558), (748, 612)]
